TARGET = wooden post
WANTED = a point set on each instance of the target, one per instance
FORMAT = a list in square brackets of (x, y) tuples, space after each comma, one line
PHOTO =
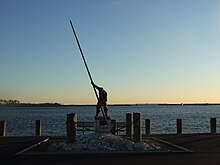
[(38, 128), (71, 126), (179, 125), (2, 128), (147, 127), (137, 127), (213, 125), (113, 126), (129, 125), (83, 127)]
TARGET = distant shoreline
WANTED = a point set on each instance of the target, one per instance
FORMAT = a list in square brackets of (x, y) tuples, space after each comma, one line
[(72, 105)]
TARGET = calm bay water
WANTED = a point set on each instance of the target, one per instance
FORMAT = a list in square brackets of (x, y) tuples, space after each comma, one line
[(196, 118)]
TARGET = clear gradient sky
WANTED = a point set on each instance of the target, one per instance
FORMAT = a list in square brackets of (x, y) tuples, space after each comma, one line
[(140, 51)]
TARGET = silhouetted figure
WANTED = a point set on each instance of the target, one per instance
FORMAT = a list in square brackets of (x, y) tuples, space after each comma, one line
[(102, 100)]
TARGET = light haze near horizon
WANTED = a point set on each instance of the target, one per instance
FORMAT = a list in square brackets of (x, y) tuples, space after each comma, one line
[(140, 51)]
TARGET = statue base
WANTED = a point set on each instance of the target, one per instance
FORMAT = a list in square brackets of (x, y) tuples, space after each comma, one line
[(102, 125)]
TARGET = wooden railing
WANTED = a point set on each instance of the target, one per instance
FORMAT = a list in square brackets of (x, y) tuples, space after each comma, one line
[(89, 127)]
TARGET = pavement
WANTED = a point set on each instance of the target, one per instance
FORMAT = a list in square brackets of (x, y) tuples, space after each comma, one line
[(205, 147)]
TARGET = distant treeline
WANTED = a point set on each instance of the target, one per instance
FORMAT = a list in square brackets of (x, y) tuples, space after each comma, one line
[(9, 102), (16, 103)]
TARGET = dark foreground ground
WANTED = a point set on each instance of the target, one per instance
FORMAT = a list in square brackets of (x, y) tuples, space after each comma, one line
[(206, 149)]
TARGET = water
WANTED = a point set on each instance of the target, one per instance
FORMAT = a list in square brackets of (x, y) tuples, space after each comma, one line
[(195, 118)]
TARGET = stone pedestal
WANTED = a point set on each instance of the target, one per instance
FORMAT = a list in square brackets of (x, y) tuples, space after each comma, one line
[(101, 125)]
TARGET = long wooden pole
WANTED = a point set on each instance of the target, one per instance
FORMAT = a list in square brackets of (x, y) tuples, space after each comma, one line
[(84, 60)]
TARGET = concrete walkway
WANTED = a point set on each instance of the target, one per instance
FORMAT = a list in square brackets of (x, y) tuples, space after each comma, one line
[(206, 149)]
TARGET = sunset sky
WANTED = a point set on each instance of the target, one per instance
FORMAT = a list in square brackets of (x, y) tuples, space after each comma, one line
[(140, 51)]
